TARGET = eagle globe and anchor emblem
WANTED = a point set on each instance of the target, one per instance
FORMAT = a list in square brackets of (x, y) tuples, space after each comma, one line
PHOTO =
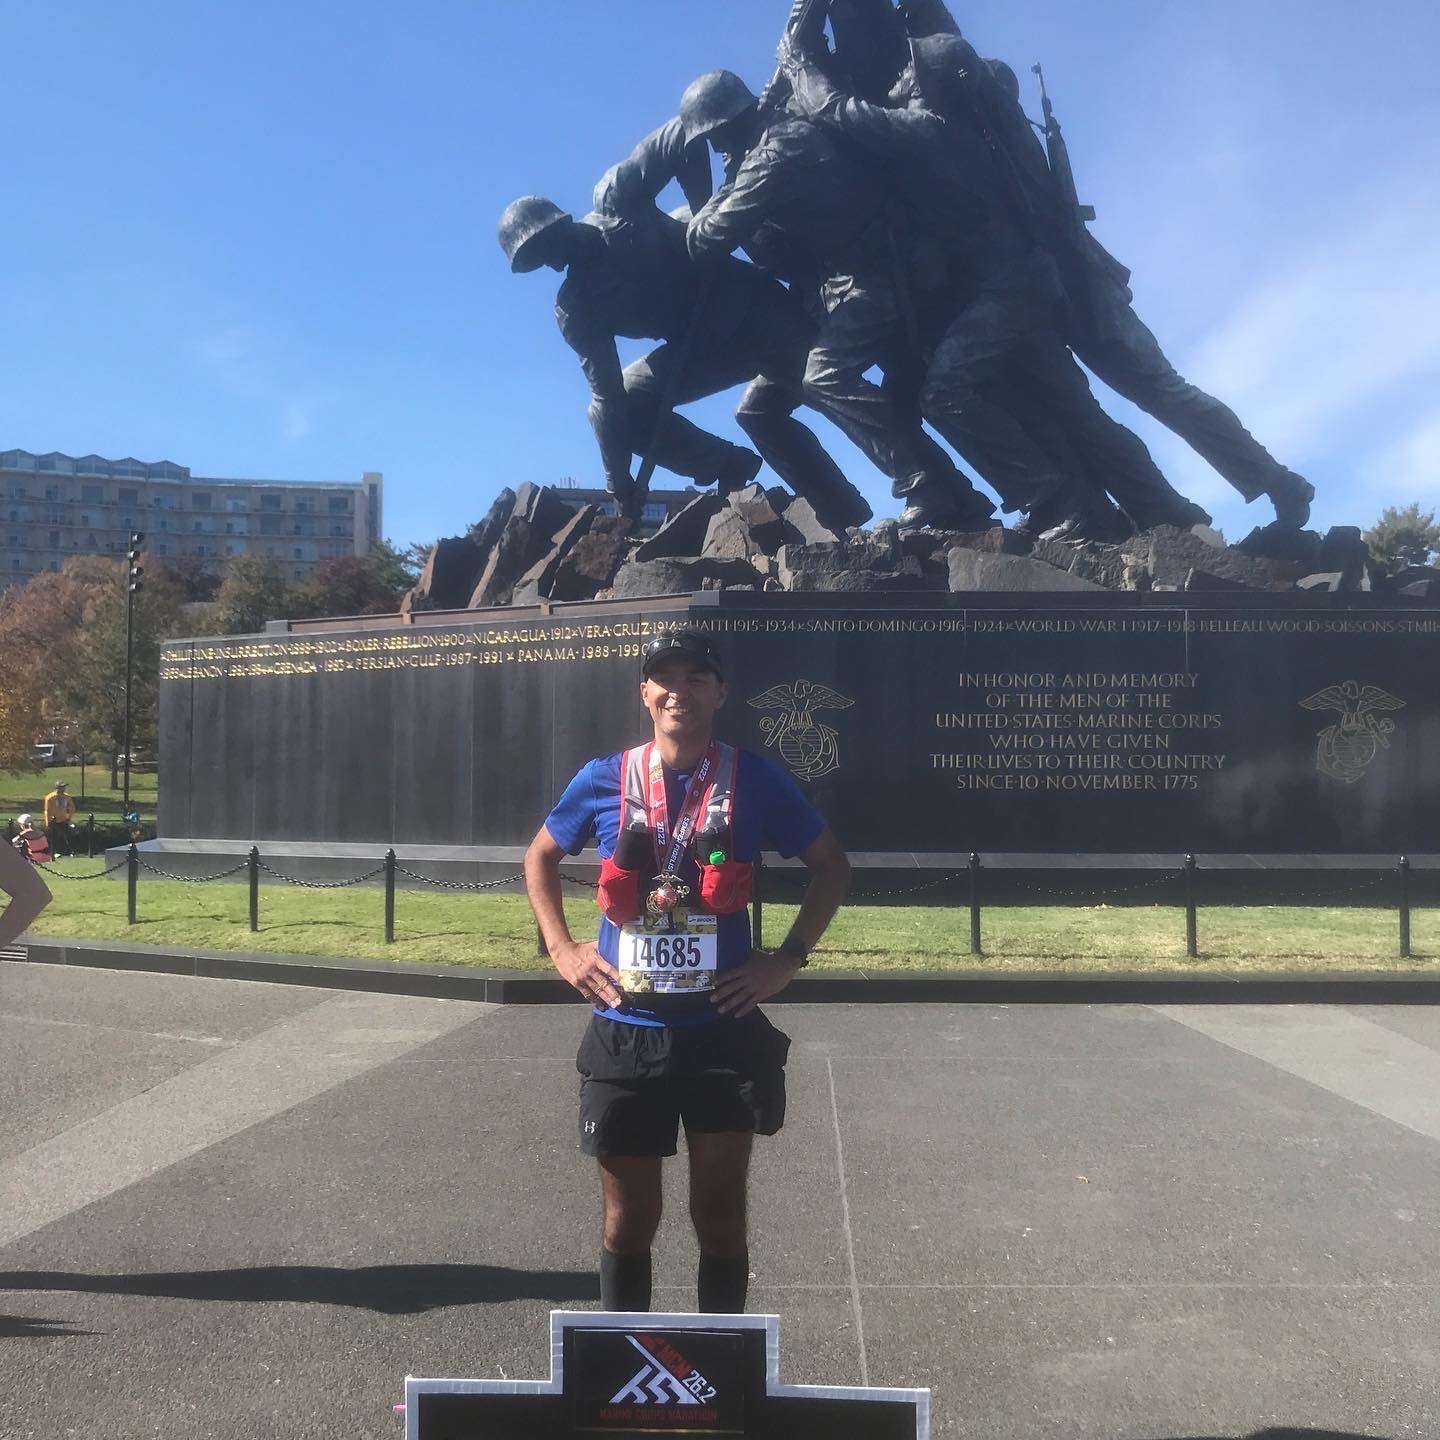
[(1346, 749), (811, 749)]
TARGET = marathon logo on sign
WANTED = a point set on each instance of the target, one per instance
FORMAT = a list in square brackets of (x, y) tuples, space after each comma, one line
[(651, 1380), (667, 1381)]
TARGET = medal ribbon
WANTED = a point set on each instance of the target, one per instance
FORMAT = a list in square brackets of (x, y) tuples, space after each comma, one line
[(668, 857)]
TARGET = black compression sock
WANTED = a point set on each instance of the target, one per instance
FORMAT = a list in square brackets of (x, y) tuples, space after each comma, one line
[(624, 1281), (723, 1282)]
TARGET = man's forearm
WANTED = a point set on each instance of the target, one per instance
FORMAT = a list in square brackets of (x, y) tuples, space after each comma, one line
[(542, 887), (824, 896)]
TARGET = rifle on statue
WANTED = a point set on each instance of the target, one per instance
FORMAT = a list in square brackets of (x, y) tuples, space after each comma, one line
[(1083, 257), (805, 26)]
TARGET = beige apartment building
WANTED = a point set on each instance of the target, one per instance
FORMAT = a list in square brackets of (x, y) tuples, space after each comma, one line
[(55, 506)]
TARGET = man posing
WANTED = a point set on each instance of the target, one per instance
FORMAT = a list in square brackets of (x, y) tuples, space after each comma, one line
[(675, 1036)]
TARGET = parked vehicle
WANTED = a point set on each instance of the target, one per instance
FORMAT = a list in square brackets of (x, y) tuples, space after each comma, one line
[(52, 752)]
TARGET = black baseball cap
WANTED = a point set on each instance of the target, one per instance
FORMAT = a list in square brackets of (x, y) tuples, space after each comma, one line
[(691, 644)]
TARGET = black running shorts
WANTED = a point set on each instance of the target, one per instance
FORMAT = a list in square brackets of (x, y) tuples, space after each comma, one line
[(638, 1083)]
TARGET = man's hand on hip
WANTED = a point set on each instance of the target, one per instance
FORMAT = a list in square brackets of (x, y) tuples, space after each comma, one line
[(581, 965), (765, 973)]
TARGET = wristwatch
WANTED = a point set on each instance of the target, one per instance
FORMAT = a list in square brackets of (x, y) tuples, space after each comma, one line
[(792, 951)]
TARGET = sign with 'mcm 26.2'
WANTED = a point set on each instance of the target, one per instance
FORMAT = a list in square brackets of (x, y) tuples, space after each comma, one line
[(628, 1375)]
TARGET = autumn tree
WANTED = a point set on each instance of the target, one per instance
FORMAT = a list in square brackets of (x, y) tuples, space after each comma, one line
[(252, 593), (348, 585)]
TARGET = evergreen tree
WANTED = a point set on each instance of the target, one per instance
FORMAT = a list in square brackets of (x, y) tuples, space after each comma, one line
[(1404, 537)]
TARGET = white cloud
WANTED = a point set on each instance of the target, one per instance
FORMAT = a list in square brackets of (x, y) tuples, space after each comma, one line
[(1409, 469), (1357, 316)]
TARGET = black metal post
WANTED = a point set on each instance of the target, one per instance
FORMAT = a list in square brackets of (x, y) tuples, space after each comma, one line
[(132, 876), (975, 948), (1192, 944), (253, 861), (90, 838), (758, 913), (1404, 869), (129, 668), (389, 897)]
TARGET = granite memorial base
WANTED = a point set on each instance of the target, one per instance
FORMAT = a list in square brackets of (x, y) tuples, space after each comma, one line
[(1137, 728)]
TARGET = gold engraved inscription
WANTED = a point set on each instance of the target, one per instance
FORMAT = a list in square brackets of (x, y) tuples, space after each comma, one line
[(1080, 731)]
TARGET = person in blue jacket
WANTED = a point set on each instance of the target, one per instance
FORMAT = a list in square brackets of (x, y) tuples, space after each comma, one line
[(675, 1036)]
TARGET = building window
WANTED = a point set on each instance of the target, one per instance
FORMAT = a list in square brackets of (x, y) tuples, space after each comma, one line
[(93, 494), (198, 526), (237, 507), (55, 538), (52, 492), (299, 553), (339, 530), (269, 502), (164, 524), (199, 502), (305, 507), (297, 574), (163, 548), (338, 504), (201, 551), (269, 524), (131, 497)]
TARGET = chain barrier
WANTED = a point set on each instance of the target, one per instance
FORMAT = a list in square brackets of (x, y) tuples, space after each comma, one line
[(319, 884), (57, 874), (458, 884), (189, 879), (1090, 892)]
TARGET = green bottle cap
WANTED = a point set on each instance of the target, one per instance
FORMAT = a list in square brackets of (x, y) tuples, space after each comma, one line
[(717, 857)]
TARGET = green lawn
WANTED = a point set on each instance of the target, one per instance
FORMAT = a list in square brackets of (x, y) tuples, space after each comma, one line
[(27, 791), (497, 931)]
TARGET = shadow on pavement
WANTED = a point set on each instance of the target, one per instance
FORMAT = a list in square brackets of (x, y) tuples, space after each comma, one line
[(387, 1289), (25, 1327)]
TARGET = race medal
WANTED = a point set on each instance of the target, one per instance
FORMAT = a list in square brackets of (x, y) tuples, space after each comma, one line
[(673, 954), (665, 895)]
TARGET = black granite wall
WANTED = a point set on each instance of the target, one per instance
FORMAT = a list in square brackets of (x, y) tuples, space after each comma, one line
[(918, 723)]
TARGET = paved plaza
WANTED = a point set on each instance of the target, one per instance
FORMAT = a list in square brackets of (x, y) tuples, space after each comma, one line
[(237, 1209)]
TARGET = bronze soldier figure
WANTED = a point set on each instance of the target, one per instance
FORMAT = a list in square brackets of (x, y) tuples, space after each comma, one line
[(808, 209), (634, 278)]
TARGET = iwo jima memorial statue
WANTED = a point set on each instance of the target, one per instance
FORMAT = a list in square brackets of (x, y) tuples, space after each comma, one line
[(1105, 675)]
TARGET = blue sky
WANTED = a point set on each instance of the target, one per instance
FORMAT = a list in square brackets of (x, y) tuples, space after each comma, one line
[(258, 239)]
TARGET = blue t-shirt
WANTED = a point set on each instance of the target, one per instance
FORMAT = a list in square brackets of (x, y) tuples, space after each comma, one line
[(770, 812)]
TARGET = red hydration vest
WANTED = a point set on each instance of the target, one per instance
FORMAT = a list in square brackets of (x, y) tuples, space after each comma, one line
[(725, 884)]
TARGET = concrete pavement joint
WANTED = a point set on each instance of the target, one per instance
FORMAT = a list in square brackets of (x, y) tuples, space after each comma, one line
[(849, 1234)]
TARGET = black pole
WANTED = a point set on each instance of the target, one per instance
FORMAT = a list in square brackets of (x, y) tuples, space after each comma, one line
[(90, 838), (757, 916), (1404, 868), (132, 877), (975, 948), (253, 861), (129, 665), (1192, 944), (389, 897)]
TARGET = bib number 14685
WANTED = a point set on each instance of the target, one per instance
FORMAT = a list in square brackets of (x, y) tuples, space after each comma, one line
[(669, 952)]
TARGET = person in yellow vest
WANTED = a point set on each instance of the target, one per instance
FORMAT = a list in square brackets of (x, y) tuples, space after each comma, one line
[(59, 815)]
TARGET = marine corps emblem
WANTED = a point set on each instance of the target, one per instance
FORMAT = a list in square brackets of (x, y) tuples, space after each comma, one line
[(809, 748), (1345, 749)]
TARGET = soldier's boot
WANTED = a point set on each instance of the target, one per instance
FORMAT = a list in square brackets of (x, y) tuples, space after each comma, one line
[(930, 502), (1291, 497), (838, 508), (629, 499), (740, 467)]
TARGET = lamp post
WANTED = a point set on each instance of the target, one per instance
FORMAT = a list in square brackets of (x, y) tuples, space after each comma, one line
[(133, 584)]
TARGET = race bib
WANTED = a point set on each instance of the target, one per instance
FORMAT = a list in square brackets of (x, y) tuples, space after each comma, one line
[(658, 960)]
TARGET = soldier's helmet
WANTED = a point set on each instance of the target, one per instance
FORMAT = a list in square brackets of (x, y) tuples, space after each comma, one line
[(1006, 78), (939, 64), (525, 219), (713, 100)]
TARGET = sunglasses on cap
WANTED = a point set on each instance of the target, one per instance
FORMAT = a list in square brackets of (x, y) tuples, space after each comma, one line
[(688, 643)]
